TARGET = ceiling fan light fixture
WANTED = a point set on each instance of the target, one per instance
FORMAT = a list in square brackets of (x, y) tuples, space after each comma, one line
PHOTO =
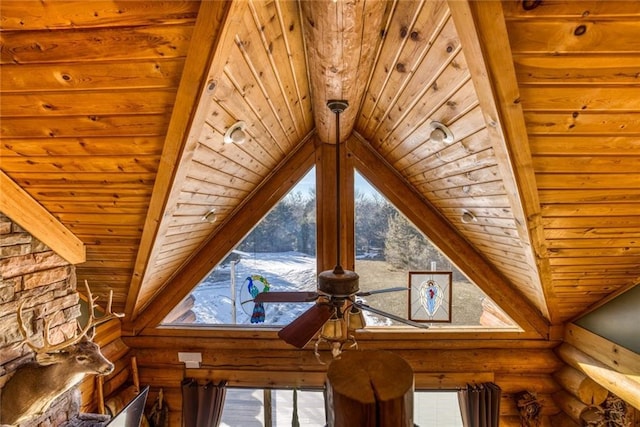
[(332, 330), (236, 133), (355, 319), (440, 133)]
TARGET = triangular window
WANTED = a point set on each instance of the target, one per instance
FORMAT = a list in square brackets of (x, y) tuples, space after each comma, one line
[(392, 252), (280, 252)]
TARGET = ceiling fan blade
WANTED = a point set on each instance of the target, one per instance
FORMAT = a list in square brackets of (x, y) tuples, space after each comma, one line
[(381, 291), (299, 332), (285, 297), (391, 316)]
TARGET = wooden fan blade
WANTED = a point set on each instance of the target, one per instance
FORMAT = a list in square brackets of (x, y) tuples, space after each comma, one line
[(299, 332), (381, 291), (285, 297), (391, 316)]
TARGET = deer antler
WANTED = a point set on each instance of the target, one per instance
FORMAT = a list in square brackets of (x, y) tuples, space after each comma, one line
[(47, 347)]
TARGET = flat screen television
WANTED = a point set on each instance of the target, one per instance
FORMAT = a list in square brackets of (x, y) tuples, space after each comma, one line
[(131, 414)]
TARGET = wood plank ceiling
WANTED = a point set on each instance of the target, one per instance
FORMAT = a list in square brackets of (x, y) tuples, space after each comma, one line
[(87, 94), (113, 118)]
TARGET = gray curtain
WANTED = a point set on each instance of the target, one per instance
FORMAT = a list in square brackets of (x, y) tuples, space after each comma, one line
[(202, 403), (480, 405)]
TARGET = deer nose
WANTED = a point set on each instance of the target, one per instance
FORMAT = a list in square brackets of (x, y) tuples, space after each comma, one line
[(106, 369)]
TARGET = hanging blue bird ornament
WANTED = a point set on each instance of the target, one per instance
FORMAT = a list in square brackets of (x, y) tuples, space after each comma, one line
[(258, 309)]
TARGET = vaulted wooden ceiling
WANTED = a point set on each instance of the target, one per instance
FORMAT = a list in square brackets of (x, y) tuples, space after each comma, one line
[(113, 117)]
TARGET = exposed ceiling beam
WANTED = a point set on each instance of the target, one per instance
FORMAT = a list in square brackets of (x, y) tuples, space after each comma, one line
[(445, 237), (342, 39), (18, 205), (203, 62), (485, 44), (610, 365), (229, 234)]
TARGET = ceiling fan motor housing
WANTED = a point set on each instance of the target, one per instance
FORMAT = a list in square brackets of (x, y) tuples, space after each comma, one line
[(338, 284)]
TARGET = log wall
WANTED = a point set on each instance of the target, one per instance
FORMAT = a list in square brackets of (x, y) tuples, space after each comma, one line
[(259, 359)]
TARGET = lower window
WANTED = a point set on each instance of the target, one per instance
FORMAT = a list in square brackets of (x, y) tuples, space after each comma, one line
[(250, 407)]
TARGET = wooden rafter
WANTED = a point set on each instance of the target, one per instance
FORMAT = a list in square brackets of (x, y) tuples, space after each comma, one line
[(486, 47), (18, 205), (202, 64), (342, 39)]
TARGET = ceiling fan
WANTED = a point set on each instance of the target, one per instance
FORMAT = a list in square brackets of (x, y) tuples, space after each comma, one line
[(337, 307)]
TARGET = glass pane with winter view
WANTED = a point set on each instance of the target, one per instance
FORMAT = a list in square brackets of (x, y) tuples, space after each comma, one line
[(279, 254), (245, 407), (389, 248)]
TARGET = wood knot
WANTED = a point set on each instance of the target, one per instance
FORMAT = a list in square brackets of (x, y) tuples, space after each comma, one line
[(580, 30), (400, 67), (530, 4), (403, 32)]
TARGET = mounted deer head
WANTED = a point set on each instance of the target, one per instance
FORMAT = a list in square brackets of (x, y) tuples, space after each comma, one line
[(58, 367)]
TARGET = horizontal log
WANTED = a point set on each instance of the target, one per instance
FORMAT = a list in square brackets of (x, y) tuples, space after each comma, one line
[(510, 421), (581, 386), (516, 421), (578, 411), (625, 386), (116, 382), (260, 378), (508, 404), (538, 383), (443, 361), (114, 350), (371, 338), (563, 420), (449, 380), (160, 377)]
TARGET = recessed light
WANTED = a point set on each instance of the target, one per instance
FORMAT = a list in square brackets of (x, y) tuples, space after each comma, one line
[(236, 134), (440, 133), (468, 217), (210, 216)]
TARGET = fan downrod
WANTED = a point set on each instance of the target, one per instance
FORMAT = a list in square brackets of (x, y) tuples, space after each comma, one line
[(338, 282)]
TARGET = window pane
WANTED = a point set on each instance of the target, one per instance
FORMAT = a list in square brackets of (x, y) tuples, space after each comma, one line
[(389, 247), (280, 252), (310, 408), (436, 409), (243, 407)]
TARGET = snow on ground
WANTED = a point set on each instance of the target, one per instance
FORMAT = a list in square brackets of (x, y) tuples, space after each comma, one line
[(285, 271)]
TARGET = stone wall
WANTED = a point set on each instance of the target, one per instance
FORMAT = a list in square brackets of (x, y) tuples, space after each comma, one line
[(33, 273)]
